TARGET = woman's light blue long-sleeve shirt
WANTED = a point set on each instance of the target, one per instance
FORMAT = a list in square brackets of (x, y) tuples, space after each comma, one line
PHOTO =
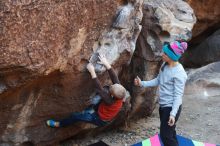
[(171, 82)]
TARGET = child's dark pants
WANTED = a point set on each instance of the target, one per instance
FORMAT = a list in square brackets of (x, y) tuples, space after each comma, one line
[(168, 133), (88, 115)]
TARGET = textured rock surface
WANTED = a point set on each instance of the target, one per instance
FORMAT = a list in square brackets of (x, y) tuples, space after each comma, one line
[(204, 81), (207, 13), (173, 19), (206, 52), (165, 20), (45, 46), (204, 46), (208, 22), (162, 21), (40, 37)]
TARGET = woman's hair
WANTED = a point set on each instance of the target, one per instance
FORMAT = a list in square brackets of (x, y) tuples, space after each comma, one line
[(163, 66)]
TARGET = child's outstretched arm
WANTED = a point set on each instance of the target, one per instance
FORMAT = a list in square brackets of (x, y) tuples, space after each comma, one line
[(104, 95), (91, 70), (111, 71)]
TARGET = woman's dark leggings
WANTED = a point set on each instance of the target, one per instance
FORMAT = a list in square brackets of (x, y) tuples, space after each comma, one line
[(168, 133)]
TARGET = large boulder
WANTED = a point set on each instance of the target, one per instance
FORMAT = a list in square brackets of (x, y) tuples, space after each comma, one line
[(204, 46), (206, 52), (45, 46), (204, 82), (207, 13), (165, 20)]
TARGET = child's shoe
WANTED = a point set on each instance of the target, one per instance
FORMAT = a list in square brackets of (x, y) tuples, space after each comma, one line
[(53, 124)]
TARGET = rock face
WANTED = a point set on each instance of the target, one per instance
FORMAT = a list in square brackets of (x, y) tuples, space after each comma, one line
[(165, 21), (174, 19), (203, 48), (207, 13), (45, 46), (206, 52), (204, 81), (162, 21)]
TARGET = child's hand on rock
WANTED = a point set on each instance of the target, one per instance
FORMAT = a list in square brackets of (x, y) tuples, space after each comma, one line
[(90, 67), (104, 61)]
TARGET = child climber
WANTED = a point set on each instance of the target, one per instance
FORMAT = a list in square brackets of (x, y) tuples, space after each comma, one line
[(171, 81), (108, 101)]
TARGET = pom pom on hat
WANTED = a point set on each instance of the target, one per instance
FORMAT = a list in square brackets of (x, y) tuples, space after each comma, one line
[(178, 47)]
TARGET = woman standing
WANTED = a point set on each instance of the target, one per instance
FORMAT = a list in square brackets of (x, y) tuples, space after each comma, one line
[(171, 81)]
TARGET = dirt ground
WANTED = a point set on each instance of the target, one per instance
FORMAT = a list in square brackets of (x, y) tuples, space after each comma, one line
[(199, 120)]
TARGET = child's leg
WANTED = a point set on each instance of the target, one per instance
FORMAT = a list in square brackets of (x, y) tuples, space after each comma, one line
[(86, 116), (74, 117), (167, 133), (96, 99)]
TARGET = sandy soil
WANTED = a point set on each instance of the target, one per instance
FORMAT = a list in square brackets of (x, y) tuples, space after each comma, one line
[(199, 120)]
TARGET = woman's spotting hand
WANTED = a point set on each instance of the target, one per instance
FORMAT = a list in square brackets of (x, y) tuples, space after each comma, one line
[(137, 81)]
